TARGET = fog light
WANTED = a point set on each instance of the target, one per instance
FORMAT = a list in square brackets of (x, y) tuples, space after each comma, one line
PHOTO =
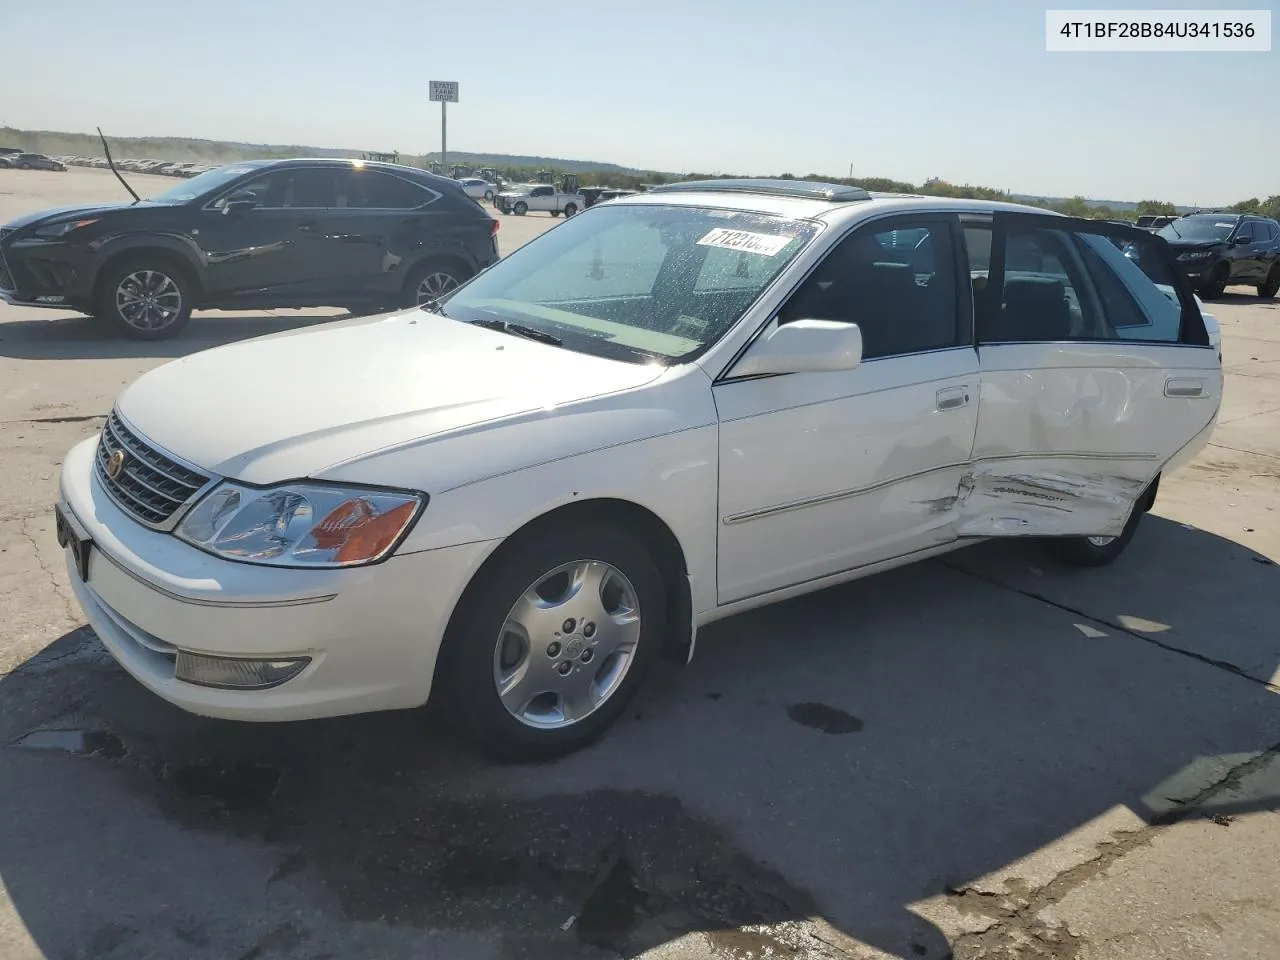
[(229, 673)]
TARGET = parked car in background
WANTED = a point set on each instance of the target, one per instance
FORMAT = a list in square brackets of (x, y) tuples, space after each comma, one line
[(255, 235), (478, 189), (33, 161), (539, 198), (1216, 250), (668, 410), (1154, 223)]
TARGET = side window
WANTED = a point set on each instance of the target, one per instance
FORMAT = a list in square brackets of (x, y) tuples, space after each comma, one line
[(897, 283), (1135, 304), (292, 188), (374, 190), (1041, 296), (543, 192)]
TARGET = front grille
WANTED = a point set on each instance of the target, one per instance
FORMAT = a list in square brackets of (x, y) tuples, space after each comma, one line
[(147, 484)]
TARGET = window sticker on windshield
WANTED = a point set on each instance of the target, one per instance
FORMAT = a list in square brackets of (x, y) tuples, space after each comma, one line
[(763, 243)]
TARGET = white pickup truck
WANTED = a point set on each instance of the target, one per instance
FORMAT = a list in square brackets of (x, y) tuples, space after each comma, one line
[(527, 197)]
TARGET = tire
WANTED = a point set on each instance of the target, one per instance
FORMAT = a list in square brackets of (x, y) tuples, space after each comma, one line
[(1216, 285), (24, 166), (488, 195), (1271, 286), (570, 209), (491, 641), (1096, 551), (431, 279), (554, 213), (168, 310), (521, 209)]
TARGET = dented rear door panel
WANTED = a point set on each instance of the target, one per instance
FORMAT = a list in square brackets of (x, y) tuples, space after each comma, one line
[(1070, 434)]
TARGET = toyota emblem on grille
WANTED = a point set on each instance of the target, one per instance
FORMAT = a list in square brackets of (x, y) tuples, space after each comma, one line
[(115, 463)]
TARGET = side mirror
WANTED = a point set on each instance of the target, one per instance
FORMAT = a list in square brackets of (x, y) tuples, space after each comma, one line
[(238, 205), (804, 346), (1241, 241)]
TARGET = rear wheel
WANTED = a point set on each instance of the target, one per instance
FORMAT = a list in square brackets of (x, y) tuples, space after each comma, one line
[(145, 299), (430, 281), (1096, 551), (552, 640), (570, 209), (488, 195), (1271, 286)]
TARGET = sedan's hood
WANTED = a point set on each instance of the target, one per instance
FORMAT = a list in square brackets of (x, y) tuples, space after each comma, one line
[(64, 213), (290, 405)]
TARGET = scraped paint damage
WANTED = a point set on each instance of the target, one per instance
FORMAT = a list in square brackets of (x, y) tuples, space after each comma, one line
[(993, 502)]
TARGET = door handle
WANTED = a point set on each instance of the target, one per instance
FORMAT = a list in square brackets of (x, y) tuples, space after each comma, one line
[(1184, 387), (952, 398)]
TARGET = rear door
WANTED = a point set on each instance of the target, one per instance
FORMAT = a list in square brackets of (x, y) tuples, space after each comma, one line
[(1096, 373)]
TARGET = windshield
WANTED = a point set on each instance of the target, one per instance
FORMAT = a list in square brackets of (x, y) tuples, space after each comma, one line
[(203, 183), (1205, 229), (636, 282)]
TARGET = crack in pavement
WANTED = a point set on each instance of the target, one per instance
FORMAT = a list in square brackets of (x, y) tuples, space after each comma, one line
[(1075, 612), (58, 589), (1019, 931), (80, 418), (1252, 453)]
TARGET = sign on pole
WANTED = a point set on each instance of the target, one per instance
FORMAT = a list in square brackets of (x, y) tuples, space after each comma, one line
[(446, 92)]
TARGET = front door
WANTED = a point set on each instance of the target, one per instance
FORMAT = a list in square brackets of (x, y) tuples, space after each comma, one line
[(825, 472), (1096, 373), (274, 251)]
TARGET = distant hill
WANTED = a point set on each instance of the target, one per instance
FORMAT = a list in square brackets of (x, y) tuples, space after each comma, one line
[(1119, 206), (185, 149)]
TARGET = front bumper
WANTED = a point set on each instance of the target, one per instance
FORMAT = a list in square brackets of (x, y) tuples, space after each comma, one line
[(1196, 271), (371, 633), (38, 273)]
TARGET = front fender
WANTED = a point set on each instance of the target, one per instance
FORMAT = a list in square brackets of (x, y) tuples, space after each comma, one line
[(113, 245)]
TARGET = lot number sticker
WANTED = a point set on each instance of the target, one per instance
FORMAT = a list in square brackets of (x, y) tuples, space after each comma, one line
[(764, 243)]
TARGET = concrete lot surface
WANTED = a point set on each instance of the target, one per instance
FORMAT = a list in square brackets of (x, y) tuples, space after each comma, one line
[(987, 756)]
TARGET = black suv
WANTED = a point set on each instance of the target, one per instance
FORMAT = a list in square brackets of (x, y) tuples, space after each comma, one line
[(1217, 249), (252, 236)]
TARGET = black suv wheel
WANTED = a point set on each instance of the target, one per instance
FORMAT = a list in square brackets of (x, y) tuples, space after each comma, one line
[(144, 298)]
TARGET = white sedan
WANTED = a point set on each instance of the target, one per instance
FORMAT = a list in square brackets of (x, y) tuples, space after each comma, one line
[(478, 189), (676, 407)]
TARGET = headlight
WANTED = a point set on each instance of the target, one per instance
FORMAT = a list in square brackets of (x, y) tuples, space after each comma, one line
[(1195, 255), (301, 524), (56, 230)]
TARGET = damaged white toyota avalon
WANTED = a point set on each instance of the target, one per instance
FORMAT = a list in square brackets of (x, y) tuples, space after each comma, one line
[(671, 408)]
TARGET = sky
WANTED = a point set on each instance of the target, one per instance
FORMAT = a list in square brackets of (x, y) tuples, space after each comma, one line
[(909, 89)]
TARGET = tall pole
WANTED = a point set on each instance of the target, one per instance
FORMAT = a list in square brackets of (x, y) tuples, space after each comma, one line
[(444, 137)]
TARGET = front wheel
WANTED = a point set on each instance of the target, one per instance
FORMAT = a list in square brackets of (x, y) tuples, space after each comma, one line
[(1216, 285), (521, 209), (1096, 551), (1271, 286), (552, 640), (144, 299)]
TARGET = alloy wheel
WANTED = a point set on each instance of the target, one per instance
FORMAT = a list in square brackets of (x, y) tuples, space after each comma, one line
[(435, 285), (567, 644), (148, 300)]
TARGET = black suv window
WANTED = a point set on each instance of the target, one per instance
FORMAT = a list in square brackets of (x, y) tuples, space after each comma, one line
[(898, 284), (291, 187), (374, 190)]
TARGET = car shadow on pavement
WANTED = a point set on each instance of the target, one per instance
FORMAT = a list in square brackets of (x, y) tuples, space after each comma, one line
[(827, 767), (82, 338)]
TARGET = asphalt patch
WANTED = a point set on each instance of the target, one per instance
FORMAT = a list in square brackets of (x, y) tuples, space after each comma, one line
[(236, 787), (819, 716)]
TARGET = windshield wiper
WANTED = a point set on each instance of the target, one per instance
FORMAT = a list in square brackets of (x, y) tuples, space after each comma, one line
[(519, 330), (432, 306)]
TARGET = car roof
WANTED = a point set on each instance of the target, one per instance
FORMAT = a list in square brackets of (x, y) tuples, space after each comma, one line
[(785, 198)]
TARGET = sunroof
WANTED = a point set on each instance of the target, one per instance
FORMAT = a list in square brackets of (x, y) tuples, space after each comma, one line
[(804, 189)]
